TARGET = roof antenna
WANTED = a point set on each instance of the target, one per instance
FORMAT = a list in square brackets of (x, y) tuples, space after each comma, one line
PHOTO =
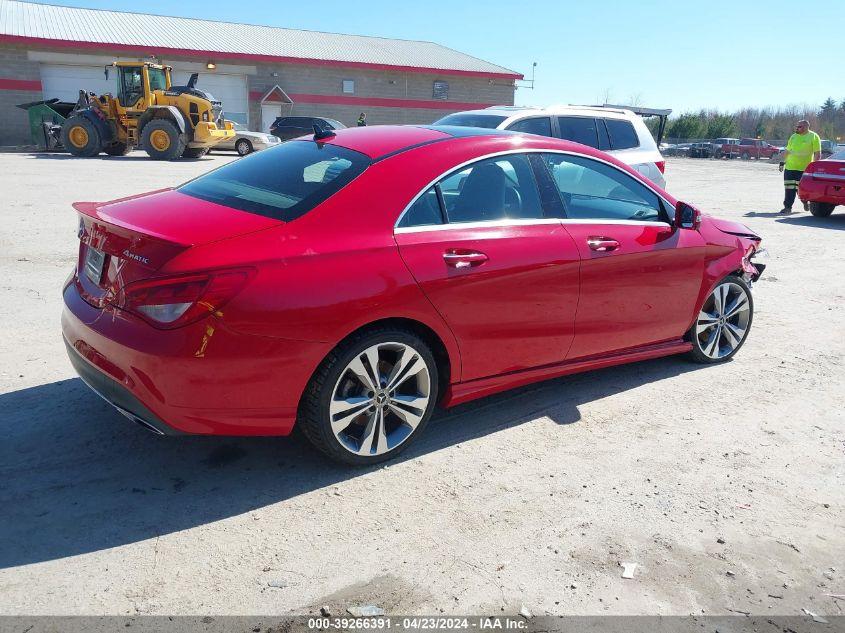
[(320, 133)]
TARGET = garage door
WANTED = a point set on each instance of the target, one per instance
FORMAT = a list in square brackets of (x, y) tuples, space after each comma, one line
[(230, 89), (65, 82)]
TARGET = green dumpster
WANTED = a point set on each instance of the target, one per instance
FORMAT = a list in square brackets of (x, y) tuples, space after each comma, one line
[(45, 121)]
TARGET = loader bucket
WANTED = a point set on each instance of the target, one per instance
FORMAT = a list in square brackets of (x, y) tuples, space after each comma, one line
[(45, 120)]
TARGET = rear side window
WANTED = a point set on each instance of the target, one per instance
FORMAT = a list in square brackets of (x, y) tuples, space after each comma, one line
[(541, 126), (282, 183), (492, 189), (579, 129), (471, 120), (622, 134), (424, 212)]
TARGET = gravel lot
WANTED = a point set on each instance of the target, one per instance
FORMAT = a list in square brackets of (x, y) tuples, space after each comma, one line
[(724, 484)]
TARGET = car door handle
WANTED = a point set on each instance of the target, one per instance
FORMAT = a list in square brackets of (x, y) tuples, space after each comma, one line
[(602, 244), (463, 259)]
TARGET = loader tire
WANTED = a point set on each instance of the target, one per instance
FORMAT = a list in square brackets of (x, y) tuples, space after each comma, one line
[(195, 152), (80, 137), (117, 149), (162, 140)]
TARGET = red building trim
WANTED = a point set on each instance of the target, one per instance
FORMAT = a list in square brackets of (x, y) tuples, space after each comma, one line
[(219, 55), (379, 102), (20, 84)]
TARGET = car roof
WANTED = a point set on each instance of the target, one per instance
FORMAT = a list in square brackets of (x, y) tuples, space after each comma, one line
[(383, 141)]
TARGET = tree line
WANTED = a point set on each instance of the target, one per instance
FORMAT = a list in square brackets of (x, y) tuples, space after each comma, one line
[(828, 121)]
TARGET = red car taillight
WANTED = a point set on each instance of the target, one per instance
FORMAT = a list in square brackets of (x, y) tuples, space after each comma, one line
[(171, 302), (661, 165)]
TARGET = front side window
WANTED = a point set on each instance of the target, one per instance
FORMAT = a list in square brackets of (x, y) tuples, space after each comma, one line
[(578, 129), (622, 134), (284, 182), (592, 190), (541, 126), (158, 81)]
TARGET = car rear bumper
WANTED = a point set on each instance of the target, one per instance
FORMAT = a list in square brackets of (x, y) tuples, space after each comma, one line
[(200, 379), (811, 189), (117, 395)]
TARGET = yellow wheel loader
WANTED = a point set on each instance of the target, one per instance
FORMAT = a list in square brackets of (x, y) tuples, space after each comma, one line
[(166, 121)]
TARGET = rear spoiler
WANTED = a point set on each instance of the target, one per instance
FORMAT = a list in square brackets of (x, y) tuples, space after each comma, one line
[(93, 211), (662, 113)]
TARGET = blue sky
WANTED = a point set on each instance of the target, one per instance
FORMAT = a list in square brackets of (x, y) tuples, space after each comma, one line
[(683, 55)]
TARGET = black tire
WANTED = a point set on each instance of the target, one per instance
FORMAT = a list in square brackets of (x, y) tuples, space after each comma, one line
[(697, 353), (195, 152), (821, 209), (81, 137), (314, 418), (117, 149), (243, 147), (158, 151)]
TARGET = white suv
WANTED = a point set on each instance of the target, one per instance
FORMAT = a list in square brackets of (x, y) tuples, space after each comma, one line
[(618, 132)]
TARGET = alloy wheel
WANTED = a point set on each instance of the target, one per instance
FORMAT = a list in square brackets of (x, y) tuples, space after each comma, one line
[(723, 321), (380, 398)]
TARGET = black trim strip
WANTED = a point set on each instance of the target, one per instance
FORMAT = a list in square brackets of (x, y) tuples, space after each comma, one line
[(409, 147)]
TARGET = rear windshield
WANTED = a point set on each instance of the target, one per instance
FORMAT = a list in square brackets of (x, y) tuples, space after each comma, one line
[(283, 182), (472, 120)]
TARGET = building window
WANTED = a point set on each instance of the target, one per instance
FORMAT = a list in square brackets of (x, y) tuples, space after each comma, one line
[(349, 86), (441, 90)]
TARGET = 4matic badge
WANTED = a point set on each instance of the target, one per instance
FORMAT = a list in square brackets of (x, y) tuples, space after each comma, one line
[(138, 258)]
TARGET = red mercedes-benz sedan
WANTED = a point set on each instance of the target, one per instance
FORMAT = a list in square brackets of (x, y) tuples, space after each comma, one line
[(351, 281), (823, 184)]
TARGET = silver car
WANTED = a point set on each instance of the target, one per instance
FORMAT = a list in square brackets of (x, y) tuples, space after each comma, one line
[(246, 141)]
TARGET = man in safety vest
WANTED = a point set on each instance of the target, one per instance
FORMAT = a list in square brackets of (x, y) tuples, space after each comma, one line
[(803, 148)]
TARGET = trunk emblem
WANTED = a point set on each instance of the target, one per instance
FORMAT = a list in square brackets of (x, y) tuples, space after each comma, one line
[(138, 258)]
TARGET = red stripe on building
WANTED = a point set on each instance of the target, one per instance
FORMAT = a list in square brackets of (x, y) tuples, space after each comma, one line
[(219, 55), (20, 84), (379, 102)]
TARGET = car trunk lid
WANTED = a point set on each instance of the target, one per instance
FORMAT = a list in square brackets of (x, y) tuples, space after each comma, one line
[(132, 238)]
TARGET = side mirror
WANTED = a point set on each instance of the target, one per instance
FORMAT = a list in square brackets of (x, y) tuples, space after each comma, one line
[(687, 216)]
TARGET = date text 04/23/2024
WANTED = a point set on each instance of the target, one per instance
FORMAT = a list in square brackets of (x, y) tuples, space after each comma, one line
[(419, 623)]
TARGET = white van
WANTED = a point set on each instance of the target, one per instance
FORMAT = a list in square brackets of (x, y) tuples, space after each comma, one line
[(617, 131)]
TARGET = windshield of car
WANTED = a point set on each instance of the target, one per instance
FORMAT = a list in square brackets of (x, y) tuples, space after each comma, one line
[(471, 120), (240, 126), (337, 125), (840, 155), (284, 182)]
